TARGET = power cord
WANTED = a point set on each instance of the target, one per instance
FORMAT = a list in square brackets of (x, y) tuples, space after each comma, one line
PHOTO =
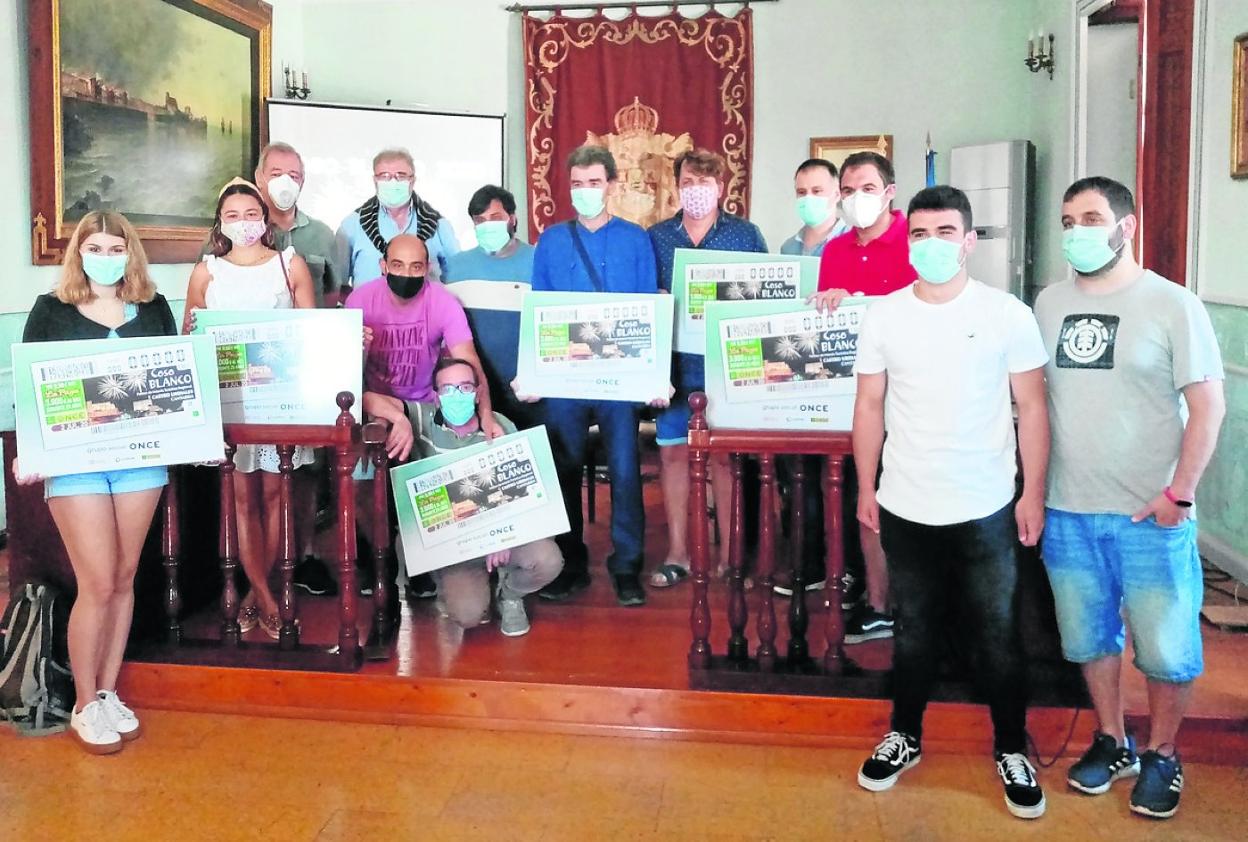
[(1061, 752)]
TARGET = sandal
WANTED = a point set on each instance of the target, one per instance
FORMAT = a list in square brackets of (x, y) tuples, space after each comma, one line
[(667, 574), (248, 618), (272, 625)]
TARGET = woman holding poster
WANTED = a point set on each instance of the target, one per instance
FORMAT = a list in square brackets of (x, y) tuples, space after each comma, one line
[(245, 272), (104, 292)]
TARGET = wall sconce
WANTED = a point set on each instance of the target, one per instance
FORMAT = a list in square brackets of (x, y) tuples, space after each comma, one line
[(295, 90), (1038, 58)]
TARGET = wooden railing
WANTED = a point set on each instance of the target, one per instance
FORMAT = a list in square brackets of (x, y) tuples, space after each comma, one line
[(346, 441), (768, 446)]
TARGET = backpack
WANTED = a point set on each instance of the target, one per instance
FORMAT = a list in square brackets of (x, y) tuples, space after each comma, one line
[(36, 687)]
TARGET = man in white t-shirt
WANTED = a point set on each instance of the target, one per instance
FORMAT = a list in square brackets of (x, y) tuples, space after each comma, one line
[(937, 363)]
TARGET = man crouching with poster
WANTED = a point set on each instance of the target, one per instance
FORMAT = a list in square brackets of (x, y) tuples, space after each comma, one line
[(448, 424)]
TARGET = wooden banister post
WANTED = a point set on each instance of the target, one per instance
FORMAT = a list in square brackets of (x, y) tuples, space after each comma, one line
[(375, 443), (700, 608), (344, 464), (171, 554), (834, 591), (288, 638), (799, 651), (230, 634), (738, 615), (766, 563)]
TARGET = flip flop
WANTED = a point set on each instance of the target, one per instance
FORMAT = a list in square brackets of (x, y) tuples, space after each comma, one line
[(668, 574)]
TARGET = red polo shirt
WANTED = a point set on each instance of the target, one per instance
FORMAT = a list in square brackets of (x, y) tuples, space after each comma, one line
[(878, 268)]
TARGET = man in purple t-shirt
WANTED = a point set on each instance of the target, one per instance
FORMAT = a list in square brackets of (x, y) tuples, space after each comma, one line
[(412, 321)]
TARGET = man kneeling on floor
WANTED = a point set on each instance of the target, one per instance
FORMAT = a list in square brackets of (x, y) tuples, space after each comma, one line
[(449, 424)]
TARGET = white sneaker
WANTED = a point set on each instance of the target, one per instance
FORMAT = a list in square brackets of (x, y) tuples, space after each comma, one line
[(123, 720), (93, 730)]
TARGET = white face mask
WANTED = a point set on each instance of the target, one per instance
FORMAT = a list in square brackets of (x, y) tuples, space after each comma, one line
[(284, 191), (861, 210)]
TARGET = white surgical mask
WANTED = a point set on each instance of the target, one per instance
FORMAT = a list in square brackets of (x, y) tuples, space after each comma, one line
[(861, 210), (284, 191)]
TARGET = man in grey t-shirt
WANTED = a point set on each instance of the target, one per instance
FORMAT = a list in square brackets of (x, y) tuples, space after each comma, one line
[(1135, 402)]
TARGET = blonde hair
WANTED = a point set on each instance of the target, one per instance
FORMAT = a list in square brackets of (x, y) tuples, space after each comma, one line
[(75, 288)]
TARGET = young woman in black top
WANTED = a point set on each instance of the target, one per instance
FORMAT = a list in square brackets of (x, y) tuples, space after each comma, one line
[(104, 291)]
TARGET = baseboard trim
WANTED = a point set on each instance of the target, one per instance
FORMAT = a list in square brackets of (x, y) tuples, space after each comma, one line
[(1225, 557)]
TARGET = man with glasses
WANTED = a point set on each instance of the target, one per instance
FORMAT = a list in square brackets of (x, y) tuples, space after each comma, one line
[(394, 210), (449, 423)]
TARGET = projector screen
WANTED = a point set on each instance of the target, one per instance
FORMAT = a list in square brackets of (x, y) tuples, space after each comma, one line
[(455, 155)]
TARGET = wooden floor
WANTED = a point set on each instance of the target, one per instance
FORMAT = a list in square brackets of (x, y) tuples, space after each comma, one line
[(225, 778)]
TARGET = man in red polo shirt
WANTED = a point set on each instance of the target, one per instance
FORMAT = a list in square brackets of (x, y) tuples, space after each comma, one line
[(872, 258)]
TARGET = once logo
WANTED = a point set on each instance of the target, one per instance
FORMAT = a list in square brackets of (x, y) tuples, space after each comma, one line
[(144, 445), (502, 530), (814, 407), (602, 381)]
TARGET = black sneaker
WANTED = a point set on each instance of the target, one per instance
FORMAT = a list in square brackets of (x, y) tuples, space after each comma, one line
[(1103, 763), (853, 588), (784, 582), (421, 586), (628, 590), (312, 576), (865, 623), (566, 585), (897, 753), (1023, 796), (1157, 791)]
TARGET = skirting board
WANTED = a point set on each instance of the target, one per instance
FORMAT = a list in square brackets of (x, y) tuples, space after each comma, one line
[(1225, 557)]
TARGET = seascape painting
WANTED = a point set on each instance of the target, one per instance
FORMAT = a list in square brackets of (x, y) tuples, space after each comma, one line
[(157, 109)]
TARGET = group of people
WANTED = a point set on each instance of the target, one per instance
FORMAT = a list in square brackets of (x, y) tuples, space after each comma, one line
[(1108, 398)]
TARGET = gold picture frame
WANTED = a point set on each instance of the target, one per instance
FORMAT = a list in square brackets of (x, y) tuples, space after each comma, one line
[(1239, 109), (837, 149)]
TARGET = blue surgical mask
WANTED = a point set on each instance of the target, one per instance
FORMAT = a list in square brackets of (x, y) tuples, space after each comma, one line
[(813, 210), (493, 234), (589, 201), (937, 261), (104, 269), (457, 407), (1087, 247)]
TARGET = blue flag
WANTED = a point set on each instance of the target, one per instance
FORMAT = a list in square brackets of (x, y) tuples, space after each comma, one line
[(931, 163)]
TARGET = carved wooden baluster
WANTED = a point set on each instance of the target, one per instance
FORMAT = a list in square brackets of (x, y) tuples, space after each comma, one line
[(700, 608), (344, 463), (798, 616), (171, 552), (289, 637), (766, 563), (834, 592), (230, 634), (382, 621), (738, 614)]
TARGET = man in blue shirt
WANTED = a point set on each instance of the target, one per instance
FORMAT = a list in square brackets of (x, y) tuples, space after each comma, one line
[(700, 223), (499, 257), (614, 255), (818, 191), (394, 210)]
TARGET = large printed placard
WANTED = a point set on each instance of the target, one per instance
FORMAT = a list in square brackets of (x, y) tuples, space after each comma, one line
[(595, 345), (111, 404), (782, 365), (468, 503), (286, 366), (700, 277)]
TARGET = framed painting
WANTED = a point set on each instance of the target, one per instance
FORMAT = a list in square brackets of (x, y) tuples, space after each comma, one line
[(1239, 109), (837, 149), (145, 107)]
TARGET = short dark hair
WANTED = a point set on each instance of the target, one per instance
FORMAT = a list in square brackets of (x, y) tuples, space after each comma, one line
[(486, 195), (815, 163), (1121, 202), (448, 362), (942, 197), (861, 159), (701, 162), (589, 154)]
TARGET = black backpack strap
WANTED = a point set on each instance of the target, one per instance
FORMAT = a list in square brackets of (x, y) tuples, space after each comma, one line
[(594, 277)]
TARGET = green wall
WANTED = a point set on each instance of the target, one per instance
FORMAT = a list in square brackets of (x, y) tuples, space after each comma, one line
[(1223, 493)]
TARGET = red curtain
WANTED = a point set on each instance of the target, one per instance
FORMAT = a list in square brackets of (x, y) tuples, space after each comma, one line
[(648, 88)]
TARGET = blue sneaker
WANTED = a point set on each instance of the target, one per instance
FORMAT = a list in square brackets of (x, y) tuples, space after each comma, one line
[(1103, 763), (1156, 793)]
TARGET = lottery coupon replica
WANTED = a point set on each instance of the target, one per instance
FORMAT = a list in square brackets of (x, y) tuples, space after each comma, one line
[(601, 345), (286, 366), (782, 365), (471, 502), (700, 277), (110, 404)]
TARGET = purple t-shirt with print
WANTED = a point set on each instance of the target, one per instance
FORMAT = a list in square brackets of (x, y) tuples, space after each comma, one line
[(408, 336)]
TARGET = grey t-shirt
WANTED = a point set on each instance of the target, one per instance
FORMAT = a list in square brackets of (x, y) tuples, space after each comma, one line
[(1117, 367)]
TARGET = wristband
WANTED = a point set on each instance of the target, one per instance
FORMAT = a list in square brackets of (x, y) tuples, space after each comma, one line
[(1182, 504)]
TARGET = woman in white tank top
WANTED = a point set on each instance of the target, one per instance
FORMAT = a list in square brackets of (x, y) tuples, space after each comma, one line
[(244, 272)]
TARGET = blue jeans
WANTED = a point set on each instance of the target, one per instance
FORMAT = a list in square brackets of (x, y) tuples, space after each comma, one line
[(1103, 566), (567, 423)]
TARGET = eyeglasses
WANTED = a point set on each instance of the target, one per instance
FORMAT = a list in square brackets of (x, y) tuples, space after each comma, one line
[(451, 388)]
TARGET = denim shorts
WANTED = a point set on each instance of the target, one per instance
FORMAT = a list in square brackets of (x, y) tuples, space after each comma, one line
[(1105, 569), (671, 427), (106, 482)]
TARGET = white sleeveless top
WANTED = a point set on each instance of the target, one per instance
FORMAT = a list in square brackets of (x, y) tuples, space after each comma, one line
[(260, 287)]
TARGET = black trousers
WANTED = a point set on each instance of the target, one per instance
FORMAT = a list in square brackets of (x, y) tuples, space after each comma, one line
[(962, 578)]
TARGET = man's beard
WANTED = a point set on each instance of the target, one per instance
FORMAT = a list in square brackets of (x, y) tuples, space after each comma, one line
[(1104, 270)]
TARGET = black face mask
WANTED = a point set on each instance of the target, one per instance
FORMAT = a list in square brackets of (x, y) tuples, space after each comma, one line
[(405, 286)]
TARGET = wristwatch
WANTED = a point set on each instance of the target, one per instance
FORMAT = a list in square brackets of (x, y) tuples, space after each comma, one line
[(1182, 504)]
